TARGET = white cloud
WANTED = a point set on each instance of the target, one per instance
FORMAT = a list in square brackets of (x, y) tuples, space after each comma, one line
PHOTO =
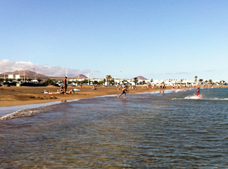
[(10, 66)]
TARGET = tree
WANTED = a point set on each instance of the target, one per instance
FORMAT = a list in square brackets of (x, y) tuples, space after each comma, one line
[(196, 78), (39, 80), (100, 82), (10, 80), (84, 81), (95, 82), (201, 80), (135, 80), (29, 79), (18, 80), (108, 77), (49, 81), (112, 81)]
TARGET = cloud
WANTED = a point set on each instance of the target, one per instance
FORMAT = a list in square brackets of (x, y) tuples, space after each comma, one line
[(10, 66)]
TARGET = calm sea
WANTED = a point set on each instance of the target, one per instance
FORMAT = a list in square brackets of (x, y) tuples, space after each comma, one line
[(152, 130)]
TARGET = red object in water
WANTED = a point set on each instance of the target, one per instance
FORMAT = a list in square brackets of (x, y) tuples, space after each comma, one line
[(198, 95)]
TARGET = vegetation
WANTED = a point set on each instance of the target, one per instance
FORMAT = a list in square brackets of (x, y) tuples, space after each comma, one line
[(200, 80), (95, 82), (135, 80), (112, 81), (39, 80), (196, 78), (49, 81), (29, 79), (108, 77)]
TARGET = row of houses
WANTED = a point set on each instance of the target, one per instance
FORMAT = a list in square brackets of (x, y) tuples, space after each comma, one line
[(140, 80), (143, 80)]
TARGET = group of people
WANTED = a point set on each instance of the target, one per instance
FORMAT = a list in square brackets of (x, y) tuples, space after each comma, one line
[(63, 89)]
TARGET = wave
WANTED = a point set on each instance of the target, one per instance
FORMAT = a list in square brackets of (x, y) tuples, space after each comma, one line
[(194, 97), (198, 98), (27, 112), (30, 110)]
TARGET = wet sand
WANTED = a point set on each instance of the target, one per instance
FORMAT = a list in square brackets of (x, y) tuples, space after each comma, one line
[(13, 96)]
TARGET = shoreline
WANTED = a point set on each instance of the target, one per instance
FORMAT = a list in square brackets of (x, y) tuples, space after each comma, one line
[(26, 110), (33, 109), (15, 96)]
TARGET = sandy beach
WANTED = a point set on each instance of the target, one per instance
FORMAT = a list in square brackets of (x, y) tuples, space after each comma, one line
[(12, 96)]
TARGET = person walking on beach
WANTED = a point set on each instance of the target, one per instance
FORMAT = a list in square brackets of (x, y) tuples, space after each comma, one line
[(124, 91), (65, 85)]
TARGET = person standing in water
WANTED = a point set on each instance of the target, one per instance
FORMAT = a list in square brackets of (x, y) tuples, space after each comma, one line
[(197, 92), (124, 91)]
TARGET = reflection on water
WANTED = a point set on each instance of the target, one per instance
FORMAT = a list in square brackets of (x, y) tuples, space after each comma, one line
[(142, 131)]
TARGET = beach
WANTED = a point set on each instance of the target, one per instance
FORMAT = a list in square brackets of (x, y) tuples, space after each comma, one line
[(13, 96)]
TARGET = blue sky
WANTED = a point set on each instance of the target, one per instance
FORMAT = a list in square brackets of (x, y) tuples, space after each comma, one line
[(159, 39)]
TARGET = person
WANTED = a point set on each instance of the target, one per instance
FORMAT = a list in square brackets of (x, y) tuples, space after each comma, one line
[(71, 91), (80, 85), (65, 85), (94, 87), (197, 92), (61, 89), (118, 86), (124, 91)]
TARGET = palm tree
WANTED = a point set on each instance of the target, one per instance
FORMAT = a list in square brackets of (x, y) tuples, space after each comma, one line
[(108, 77), (135, 80), (196, 78), (201, 80)]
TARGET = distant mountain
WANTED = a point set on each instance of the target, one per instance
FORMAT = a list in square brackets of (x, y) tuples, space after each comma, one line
[(141, 78), (80, 76), (27, 73)]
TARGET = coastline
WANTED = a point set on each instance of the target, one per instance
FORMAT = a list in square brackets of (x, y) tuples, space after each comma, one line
[(25, 110), (15, 96)]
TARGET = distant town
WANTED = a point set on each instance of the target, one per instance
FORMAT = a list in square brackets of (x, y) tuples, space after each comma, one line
[(27, 76)]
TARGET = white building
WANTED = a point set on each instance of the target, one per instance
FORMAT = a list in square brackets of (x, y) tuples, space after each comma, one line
[(17, 77), (11, 76)]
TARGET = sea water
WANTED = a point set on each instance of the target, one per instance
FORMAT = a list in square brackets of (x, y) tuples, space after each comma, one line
[(167, 130)]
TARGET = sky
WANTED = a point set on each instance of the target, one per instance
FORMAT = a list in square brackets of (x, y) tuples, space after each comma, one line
[(157, 39)]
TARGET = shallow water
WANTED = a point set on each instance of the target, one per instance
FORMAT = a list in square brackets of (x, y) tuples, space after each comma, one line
[(143, 131)]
